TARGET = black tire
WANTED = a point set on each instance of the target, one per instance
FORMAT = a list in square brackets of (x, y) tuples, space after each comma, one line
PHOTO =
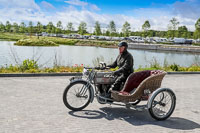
[(163, 93), (69, 88)]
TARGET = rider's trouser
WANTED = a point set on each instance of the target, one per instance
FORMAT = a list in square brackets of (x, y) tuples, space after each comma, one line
[(118, 82)]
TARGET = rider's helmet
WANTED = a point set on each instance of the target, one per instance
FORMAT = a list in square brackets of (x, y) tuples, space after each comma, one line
[(123, 44)]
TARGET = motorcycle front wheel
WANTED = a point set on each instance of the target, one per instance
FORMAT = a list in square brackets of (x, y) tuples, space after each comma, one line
[(77, 95)]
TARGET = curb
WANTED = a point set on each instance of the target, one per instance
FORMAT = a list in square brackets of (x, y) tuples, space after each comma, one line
[(183, 72), (65, 74), (38, 74)]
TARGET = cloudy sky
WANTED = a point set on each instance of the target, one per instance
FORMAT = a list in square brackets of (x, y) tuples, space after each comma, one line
[(158, 12)]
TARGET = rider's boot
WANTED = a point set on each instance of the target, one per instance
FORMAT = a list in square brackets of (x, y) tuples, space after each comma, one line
[(108, 94)]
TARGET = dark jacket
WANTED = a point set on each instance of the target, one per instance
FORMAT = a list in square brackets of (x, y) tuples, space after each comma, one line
[(125, 63)]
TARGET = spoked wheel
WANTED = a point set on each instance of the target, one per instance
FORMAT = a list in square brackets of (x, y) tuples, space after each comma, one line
[(162, 104), (77, 95)]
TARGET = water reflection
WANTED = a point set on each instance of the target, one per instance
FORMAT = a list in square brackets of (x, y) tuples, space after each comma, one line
[(70, 55)]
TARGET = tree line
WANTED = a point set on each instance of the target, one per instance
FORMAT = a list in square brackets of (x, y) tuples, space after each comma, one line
[(174, 30)]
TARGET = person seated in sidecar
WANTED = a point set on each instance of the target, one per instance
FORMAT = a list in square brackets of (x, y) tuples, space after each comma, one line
[(125, 63)]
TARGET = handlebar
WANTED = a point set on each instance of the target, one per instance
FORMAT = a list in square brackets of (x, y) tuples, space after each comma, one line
[(102, 66), (89, 67), (97, 68)]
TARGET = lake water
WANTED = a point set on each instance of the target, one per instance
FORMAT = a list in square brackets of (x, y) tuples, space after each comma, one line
[(71, 55)]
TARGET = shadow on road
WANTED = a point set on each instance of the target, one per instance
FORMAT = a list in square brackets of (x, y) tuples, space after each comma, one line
[(137, 118)]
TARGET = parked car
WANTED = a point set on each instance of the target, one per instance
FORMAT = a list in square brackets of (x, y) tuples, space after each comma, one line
[(85, 36), (179, 40), (66, 36), (44, 34), (93, 37), (101, 38), (115, 38), (149, 40), (188, 41), (135, 38), (107, 38)]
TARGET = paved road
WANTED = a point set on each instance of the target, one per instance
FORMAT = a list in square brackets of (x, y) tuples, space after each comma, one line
[(34, 104)]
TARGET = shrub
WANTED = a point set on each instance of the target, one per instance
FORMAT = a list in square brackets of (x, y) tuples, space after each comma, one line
[(28, 65), (35, 42), (194, 68), (174, 67)]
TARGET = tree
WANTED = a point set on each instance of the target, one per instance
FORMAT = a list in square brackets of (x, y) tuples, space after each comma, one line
[(126, 29), (97, 30), (197, 24), (22, 27), (82, 28), (112, 28), (15, 27), (182, 32), (151, 33), (146, 26), (59, 27), (107, 33), (173, 24), (53, 30), (50, 27), (8, 26), (70, 27), (30, 27), (197, 29), (2, 27), (172, 27), (39, 27)]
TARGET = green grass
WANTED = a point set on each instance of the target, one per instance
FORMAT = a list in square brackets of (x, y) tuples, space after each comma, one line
[(35, 42), (173, 68), (196, 44), (60, 69), (63, 41), (12, 36), (24, 40), (30, 66), (97, 43)]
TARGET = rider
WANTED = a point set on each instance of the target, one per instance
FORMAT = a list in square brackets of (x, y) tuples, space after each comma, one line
[(125, 63)]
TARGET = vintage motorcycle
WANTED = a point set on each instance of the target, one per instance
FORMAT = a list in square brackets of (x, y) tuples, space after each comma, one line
[(94, 82)]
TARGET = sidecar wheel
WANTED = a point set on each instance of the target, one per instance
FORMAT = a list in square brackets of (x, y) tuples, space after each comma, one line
[(162, 103), (77, 95)]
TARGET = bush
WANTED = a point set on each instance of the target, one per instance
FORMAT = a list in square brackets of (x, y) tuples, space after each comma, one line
[(194, 68), (35, 42), (28, 65), (174, 67)]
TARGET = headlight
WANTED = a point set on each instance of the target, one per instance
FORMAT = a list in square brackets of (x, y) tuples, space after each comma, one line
[(85, 72)]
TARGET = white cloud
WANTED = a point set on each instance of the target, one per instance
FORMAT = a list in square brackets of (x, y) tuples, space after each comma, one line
[(77, 2), (47, 5), (29, 11), (83, 4), (19, 4), (94, 7), (187, 9)]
